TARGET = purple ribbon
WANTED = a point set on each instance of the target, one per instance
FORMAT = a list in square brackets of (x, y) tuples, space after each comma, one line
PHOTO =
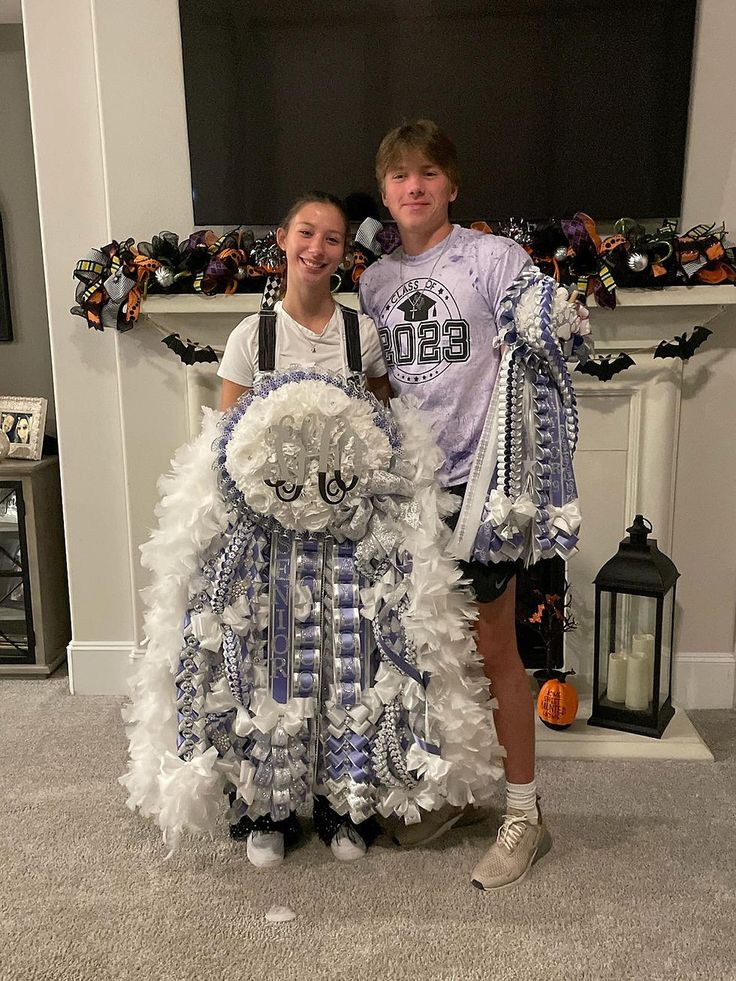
[(281, 616), (427, 747), (401, 663)]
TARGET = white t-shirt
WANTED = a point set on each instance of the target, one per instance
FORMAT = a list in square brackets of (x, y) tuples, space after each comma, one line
[(437, 314), (297, 344)]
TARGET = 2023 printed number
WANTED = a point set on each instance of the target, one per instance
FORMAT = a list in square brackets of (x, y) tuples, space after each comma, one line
[(427, 343)]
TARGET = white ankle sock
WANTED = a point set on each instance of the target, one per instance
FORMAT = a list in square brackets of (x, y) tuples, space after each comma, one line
[(523, 797)]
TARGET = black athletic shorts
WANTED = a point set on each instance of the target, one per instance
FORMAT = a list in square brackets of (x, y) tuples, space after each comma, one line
[(489, 580)]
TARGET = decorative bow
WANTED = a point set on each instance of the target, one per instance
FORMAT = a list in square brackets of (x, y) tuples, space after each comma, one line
[(240, 774), (106, 276), (591, 268), (566, 519), (144, 266), (265, 713), (222, 272), (214, 262), (508, 516), (408, 806), (266, 257), (366, 236), (425, 760), (389, 239), (376, 239), (551, 251), (703, 257)]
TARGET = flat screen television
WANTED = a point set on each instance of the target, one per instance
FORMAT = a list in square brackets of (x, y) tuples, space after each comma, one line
[(555, 105)]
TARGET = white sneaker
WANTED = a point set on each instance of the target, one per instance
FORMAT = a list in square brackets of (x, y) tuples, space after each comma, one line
[(518, 846), (347, 845), (265, 849)]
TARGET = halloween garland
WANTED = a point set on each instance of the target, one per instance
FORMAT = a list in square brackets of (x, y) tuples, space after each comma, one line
[(113, 281)]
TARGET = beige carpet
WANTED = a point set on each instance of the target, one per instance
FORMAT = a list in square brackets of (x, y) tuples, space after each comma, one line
[(640, 884)]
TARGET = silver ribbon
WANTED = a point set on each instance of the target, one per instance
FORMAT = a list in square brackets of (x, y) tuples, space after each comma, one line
[(481, 473)]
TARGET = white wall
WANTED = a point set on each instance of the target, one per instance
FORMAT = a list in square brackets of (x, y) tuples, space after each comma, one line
[(106, 161), (704, 547), (25, 362), (113, 162)]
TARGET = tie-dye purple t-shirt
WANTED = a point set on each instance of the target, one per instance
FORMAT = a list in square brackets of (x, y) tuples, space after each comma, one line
[(437, 316)]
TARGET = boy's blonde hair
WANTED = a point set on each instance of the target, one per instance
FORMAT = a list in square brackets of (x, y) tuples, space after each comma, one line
[(423, 137)]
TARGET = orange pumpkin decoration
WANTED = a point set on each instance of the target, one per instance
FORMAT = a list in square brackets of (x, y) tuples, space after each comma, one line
[(557, 702)]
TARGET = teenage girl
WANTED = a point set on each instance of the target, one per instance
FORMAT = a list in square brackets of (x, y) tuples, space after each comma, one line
[(309, 332)]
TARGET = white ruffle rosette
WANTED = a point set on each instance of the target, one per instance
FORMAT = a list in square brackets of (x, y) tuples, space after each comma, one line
[(293, 433)]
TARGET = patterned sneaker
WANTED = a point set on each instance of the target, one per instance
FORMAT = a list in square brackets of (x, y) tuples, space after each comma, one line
[(437, 823), (347, 845), (265, 849), (518, 846)]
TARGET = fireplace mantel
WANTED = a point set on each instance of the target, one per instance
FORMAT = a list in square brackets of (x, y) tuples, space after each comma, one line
[(641, 316), (670, 296)]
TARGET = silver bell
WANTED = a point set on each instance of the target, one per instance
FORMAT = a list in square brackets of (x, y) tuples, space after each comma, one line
[(638, 262)]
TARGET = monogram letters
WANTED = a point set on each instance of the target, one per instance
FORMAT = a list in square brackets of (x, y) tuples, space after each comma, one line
[(295, 447)]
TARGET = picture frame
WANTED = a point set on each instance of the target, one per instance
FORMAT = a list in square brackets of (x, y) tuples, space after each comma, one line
[(22, 427), (6, 320)]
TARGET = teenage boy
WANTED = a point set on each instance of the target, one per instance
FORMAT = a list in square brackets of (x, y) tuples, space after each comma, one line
[(437, 302)]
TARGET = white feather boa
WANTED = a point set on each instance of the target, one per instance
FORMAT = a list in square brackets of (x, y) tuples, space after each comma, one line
[(439, 623), (192, 517)]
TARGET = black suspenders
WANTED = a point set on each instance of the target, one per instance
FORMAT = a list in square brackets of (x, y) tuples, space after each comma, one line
[(352, 341), (267, 340)]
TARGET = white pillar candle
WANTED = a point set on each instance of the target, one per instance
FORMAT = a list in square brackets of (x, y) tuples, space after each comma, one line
[(637, 681), (616, 689), (645, 644)]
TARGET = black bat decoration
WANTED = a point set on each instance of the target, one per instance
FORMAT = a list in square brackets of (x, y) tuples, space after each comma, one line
[(605, 368), (189, 351), (682, 346)]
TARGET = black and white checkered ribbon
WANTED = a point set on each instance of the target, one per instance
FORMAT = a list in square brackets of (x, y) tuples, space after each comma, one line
[(366, 235), (271, 292)]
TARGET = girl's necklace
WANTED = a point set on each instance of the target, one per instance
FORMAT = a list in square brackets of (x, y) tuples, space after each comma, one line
[(314, 337), (436, 261)]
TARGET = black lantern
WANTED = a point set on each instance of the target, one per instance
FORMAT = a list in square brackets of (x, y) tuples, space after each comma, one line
[(634, 635)]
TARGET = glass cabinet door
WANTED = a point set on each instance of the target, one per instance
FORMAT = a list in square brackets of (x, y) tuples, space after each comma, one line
[(16, 625)]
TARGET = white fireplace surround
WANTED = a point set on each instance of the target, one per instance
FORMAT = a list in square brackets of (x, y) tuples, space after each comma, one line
[(656, 439), (625, 463)]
